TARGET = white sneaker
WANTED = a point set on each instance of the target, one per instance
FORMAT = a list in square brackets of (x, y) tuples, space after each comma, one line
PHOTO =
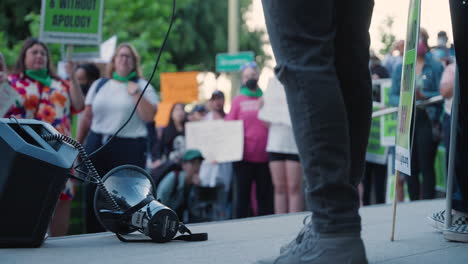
[(437, 220), (458, 233)]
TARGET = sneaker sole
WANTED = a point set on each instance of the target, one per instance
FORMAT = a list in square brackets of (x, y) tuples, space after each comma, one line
[(457, 237)]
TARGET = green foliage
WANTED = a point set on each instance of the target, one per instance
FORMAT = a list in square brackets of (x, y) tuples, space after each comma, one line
[(198, 34), (386, 34), (12, 20)]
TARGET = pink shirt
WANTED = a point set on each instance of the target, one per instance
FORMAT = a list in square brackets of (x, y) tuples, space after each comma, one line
[(255, 131)]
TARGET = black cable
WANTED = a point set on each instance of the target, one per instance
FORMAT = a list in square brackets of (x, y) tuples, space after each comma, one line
[(92, 171), (146, 86)]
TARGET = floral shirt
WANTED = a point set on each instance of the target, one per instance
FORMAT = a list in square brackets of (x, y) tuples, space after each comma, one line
[(36, 101), (49, 104)]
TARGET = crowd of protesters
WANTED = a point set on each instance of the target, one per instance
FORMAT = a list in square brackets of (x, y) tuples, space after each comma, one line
[(268, 178)]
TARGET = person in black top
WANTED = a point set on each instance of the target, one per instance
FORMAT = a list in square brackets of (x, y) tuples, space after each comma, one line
[(172, 143)]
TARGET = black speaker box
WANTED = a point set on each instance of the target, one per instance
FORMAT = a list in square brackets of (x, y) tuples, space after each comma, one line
[(33, 172)]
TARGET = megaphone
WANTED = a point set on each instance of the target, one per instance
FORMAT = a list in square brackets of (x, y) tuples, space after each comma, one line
[(133, 191)]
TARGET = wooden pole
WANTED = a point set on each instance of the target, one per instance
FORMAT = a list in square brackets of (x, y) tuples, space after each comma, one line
[(395, 201)]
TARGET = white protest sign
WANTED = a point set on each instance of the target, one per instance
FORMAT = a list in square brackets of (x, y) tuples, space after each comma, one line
[(217, 140), (8, 97), (275, 107)]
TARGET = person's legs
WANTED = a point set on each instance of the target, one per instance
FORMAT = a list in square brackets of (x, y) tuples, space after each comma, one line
[(278, 176), (305, 51), (426, 156), (128, 151), (352, 61), (459, 12), (241, 183), (380, 183), (303, 35), (294, 186), (412, 180), (264, 189), (61, 218), (367, 184)]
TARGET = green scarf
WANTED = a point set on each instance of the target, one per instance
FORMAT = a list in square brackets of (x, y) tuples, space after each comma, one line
[(126, 79), (247, 92), (42, 76)]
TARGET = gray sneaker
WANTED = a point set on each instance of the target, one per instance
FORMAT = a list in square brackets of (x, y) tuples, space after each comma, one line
[(318, 248), (437, 219), (307, 221)]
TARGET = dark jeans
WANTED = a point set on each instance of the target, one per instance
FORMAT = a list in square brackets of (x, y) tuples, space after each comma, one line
[(374, 179), (422, 159), (322, 51), (120, 151), (244, 174), (459, 12)]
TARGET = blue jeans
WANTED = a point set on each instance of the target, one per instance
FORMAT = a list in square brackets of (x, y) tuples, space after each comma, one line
[(322, 52), (459, 13)]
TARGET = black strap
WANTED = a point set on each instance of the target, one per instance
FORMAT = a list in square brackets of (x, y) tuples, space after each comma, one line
[(191, 237), (101, 83), (130, 211)]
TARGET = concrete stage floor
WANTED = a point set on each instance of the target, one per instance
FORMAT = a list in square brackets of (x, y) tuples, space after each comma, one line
[(247, 240)]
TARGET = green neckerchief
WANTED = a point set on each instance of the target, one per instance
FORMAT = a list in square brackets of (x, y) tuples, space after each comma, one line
[(42, 76), (247, 92), (126, 79)]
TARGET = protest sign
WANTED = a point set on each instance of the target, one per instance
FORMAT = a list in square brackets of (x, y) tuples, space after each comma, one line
[(376, 153), (179, 87), (275, 107), (406, 105), (388, 123), (218, 140), (71, 21), (8, 96)]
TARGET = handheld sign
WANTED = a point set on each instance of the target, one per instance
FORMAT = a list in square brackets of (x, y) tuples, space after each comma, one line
[(388, 123), (71, 21), (406, 105)]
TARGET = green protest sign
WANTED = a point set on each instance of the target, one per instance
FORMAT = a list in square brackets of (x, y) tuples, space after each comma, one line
[(82, 52), (71, 21), (376, 153), (405, 108), (388, 123)]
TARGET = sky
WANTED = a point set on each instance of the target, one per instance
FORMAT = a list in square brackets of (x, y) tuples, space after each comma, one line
[(435, 16)]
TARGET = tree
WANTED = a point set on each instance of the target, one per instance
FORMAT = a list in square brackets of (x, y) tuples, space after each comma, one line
[(12, 22), (198, 34), (386, 34)]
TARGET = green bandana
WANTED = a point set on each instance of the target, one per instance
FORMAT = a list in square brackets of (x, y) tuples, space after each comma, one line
[(42, 76), (247, 92), (126, 79)]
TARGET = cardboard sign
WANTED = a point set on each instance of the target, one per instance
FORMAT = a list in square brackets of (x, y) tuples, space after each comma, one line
[(163, 114), (275, 107), (179, 87), (218, 140)]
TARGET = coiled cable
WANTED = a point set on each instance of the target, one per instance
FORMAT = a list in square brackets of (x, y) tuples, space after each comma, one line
[(92, 172)]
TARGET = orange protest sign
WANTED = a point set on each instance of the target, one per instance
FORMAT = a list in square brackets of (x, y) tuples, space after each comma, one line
[(164, 111), (179, 87)]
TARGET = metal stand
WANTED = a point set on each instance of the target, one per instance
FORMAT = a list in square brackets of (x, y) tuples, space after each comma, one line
[(453, 145)]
